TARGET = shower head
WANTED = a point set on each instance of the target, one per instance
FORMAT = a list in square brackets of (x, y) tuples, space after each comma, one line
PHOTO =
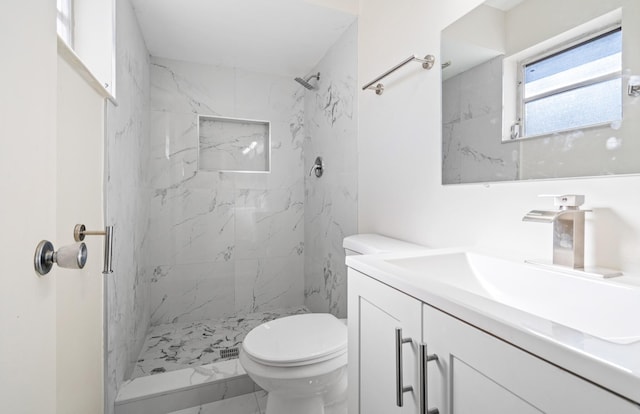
[(305, 82)]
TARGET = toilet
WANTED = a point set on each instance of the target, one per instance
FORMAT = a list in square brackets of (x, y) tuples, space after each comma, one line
[(301, 360)]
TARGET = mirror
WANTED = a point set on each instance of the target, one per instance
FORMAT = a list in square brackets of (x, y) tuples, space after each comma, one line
[(489, 57)]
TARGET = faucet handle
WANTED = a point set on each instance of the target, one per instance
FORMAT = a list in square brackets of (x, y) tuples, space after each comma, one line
[(566, 200)]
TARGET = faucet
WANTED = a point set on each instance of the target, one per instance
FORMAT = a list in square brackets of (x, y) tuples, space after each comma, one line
[(568, 229)]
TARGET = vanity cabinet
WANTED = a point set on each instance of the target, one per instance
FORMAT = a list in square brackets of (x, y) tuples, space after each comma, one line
[(475, 372), (377, 311)]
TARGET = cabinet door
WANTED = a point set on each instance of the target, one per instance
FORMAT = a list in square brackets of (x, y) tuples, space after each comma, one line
[(375, 311), (479, 373)]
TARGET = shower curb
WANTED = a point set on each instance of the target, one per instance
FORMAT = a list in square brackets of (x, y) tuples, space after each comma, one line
[(185, 388)]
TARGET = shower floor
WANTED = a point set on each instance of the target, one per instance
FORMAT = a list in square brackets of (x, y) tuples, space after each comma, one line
[(175, 346)]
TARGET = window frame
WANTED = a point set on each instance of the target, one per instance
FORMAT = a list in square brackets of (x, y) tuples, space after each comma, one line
[(66, 20), (518, 128)]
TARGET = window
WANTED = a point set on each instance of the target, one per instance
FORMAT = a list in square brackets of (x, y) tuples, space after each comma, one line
[(65, 21), (575, 87)]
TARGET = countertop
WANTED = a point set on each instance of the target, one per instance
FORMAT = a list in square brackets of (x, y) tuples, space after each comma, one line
[(613, 366)]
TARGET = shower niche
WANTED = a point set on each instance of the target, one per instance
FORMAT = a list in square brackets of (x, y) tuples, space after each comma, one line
[(233, 144)]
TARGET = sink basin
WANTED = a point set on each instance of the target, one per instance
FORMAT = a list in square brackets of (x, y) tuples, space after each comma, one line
[(603, 309)]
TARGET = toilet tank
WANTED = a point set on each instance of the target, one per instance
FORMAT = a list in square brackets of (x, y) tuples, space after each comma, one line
[(376, 244)]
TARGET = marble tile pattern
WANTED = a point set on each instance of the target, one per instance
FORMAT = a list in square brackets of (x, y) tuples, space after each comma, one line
[(216, 375), (471, 115), (184, 388), (174, 346), (194, 245), (126, 204), (254, 403), (222, 242), (331, 202), (233, 145)]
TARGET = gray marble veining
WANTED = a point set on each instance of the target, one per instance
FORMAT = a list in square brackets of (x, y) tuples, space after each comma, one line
[(223, 242), (192, 245), (330, 211), (233, 145), (127, 206), (253, 403), (468, 121), (173, 346)]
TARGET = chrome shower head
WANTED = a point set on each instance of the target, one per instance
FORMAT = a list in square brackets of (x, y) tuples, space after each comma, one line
[(305, 82)]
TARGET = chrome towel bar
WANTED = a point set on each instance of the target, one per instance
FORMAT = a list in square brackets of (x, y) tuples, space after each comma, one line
[(427, 63)]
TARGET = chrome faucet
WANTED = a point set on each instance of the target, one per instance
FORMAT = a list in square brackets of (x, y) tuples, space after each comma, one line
[(568, 229)]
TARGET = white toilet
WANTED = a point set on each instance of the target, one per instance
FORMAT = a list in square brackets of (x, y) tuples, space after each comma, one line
[(301, 360)]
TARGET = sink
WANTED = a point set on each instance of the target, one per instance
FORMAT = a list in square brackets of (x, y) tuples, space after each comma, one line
[(600, 308)]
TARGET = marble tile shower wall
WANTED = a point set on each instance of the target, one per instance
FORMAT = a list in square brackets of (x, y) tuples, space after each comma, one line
[(127, 203), (331, 201), (222, 243), (471, 115)]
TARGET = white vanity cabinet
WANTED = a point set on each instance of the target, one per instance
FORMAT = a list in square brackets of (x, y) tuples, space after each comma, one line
[(375, 311), (475, 372), (479, 373)]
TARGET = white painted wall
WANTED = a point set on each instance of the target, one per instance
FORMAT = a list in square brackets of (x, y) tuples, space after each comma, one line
[(399, 165), (94, 40), (50, 175), (79, 339), (484, 27), (28, 214), (532, 22)]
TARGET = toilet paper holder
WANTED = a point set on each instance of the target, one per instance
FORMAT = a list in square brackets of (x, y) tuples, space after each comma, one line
[(79, 233)]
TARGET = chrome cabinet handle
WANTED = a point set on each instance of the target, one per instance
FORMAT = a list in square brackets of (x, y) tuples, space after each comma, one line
[(400, 388), (424, 381)]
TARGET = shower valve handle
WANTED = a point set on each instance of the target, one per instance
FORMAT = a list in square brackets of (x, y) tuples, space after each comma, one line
[(317, 167)]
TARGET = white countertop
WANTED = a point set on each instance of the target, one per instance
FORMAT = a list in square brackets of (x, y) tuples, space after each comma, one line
[(611, 365)]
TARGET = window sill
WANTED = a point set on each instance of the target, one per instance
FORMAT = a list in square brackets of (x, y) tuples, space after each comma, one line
[(562, 132), (76, 63)]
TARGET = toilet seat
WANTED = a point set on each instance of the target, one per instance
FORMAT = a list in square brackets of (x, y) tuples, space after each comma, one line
[(297, 340)]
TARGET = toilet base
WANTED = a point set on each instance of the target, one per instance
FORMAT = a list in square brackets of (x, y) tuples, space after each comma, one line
[(277, 404), (332, 402), (315, 405), (311, 377)]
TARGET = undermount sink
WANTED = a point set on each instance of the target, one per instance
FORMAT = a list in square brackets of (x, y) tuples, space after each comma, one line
[(600, 308)]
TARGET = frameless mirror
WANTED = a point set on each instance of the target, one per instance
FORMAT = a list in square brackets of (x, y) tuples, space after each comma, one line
[(541, 89)]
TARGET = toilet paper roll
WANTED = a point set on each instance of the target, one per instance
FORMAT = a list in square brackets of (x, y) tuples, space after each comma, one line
[(73, 256)]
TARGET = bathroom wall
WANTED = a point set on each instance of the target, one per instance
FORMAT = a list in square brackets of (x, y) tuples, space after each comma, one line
[(469, 117), (80, 293), (399, 163), (126, 201), (220, 243), (27, 160), (331, 201)]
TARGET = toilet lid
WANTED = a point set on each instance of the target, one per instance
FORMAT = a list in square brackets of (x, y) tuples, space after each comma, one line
[(297, 340)]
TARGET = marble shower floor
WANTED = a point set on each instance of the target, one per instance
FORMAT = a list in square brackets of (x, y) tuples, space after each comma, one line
[(175, 346)]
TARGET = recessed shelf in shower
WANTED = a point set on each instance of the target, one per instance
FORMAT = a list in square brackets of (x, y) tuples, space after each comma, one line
[(233, 144)]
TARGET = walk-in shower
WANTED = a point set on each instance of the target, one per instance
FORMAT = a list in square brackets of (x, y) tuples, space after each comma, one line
[(305, 82), (210, 252)]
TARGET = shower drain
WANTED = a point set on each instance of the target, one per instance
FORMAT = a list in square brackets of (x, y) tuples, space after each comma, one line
[(229, 352)]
